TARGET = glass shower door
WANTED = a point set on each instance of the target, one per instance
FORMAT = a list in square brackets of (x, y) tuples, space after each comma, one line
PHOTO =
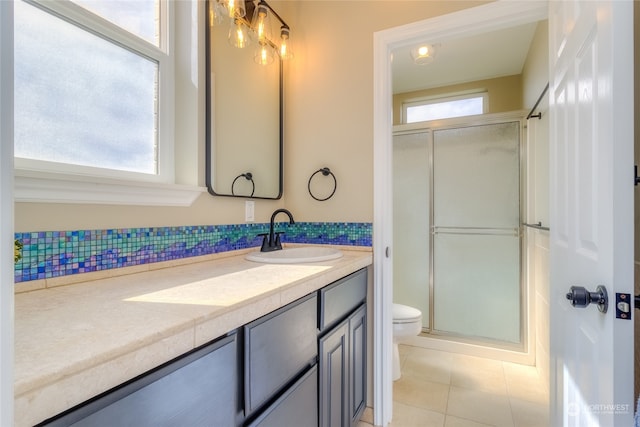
[(411, 201), (476, 232)]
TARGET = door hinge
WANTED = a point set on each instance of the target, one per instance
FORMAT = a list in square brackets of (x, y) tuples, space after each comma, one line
[(636, 180)]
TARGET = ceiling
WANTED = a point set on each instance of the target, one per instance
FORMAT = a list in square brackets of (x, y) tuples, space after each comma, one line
[(483, 56)]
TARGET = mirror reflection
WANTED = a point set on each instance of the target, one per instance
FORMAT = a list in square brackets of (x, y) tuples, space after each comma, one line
[(244, 112)]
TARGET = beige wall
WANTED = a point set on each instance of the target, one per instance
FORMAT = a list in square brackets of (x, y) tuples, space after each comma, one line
[(505, 94), (329, 122), (535, 77), (535, 74)]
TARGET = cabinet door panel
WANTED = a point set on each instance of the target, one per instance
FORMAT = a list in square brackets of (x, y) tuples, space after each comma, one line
[(334, 368), (358, 363), (278, 347)]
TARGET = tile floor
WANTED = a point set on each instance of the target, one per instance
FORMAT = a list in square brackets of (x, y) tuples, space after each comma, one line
[(440, 389)]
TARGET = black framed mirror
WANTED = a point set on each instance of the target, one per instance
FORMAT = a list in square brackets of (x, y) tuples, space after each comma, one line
[(244, 117)]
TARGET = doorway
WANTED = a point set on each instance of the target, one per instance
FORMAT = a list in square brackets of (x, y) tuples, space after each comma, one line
[(460, 24)]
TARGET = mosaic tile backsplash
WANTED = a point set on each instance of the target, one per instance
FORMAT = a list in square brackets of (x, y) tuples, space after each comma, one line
[(49, 254)]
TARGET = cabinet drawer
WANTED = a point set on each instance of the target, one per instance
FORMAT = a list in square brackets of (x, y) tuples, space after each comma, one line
[(278, 347), (342, 297), (199, 389), (298, 406)]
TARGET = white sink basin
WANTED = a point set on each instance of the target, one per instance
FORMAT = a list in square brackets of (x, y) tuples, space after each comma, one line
[(295, 255)]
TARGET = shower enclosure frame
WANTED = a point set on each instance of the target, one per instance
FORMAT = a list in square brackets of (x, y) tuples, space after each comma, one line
[(524, 309)]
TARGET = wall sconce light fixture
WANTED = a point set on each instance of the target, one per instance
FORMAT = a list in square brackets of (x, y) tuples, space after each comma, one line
[(258, 30)]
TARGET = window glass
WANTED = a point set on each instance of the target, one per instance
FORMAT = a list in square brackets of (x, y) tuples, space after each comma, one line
[(140, 17), (443, 109), (80, 98)]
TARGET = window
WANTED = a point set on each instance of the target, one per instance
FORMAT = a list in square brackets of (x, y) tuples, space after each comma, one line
[(93, 88), (444, 108)]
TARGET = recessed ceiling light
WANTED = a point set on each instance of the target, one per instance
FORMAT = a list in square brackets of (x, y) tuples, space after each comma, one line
[(423, 54)]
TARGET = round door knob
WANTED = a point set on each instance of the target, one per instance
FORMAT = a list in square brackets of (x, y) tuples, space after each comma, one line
[(580, 297)]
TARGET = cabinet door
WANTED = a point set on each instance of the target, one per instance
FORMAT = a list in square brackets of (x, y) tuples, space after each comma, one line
[(200, 389), (333, 372), (278, 347), (357, 363), (298, 406)]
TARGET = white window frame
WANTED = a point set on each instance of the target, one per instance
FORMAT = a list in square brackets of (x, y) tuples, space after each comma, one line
[(437, 99), (42, 181)]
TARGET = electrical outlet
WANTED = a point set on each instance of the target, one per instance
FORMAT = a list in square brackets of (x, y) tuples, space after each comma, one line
[(249, 211)]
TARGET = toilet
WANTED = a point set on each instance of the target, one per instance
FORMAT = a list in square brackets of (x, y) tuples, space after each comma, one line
[(407, 322)]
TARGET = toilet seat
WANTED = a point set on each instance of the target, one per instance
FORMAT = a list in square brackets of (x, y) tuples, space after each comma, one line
[(405, 314)]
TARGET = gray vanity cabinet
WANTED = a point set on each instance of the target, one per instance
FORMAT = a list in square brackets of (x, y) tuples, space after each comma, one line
[(198, 389), (303, 365), (342, 351)]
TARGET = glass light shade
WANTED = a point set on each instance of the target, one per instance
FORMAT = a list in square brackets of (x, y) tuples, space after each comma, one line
[(264, 54), (238, 34), (423, 54), (285, 44), (261, 23), (217, 13), (235, 8)]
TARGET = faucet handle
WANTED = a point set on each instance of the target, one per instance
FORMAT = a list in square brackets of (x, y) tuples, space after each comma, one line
[(278, 244), (265, 241)]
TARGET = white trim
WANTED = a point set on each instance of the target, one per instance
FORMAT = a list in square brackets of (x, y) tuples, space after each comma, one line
[(31, 186), (382, 231), (86, 19), (6, 213), (465, 23)]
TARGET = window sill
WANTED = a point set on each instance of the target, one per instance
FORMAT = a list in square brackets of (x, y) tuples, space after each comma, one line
[(41, 187)]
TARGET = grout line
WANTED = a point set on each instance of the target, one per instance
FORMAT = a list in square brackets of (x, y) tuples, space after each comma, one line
[(506, 383)]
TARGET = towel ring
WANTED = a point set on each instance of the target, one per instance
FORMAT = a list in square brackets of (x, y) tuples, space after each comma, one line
[(249, 177), (326, 172)]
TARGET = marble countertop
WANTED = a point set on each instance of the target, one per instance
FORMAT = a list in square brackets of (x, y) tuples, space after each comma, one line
[(73, 342)]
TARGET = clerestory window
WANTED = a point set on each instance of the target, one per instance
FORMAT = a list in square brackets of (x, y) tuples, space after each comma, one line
[(426, 109)]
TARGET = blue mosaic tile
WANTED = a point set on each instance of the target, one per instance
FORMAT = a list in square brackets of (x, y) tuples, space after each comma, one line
[(49, 254)]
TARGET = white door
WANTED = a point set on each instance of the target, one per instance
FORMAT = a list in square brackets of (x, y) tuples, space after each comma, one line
[(591, 209)]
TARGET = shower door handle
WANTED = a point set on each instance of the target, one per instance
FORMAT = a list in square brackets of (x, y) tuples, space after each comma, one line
[(580, 297)]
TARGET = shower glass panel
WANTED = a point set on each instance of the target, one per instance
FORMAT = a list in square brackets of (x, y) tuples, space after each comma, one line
[(411, 188), (476, 237)]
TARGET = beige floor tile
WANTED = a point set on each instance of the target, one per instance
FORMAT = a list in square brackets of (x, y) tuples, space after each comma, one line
[(529, 414), (410, 416), (405, 349), (451, 421), (478, 374), (367, 415), (428, 365), (483, 407), (523, 382), (363, 424), (422, 394), (452, 390)]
